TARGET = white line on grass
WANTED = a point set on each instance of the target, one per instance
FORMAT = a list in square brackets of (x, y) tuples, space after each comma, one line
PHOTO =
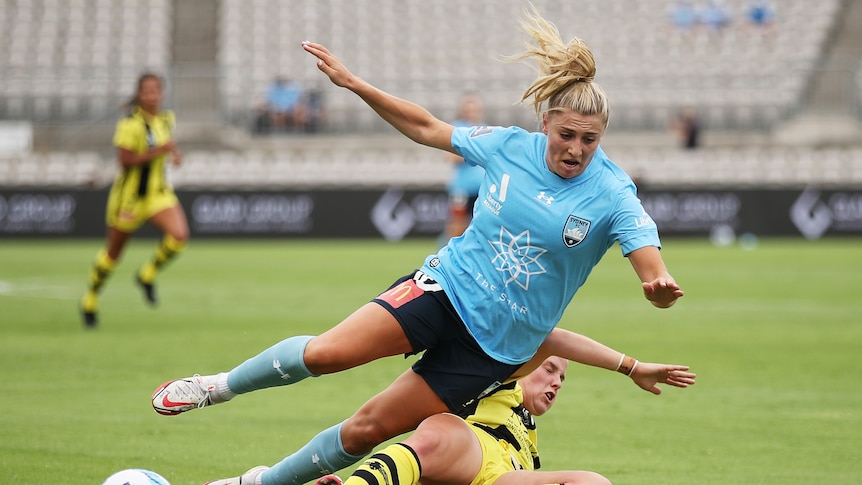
[(37, 290)]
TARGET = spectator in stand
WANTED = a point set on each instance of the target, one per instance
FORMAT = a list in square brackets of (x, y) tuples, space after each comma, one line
[(683, 16), (715, 16), (686, 128), (262, 120), (761, 16), (285, 102), (313, 110)]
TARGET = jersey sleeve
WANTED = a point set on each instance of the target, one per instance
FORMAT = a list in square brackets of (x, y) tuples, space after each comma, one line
[(632, 227), (477, 144), (130, 134)]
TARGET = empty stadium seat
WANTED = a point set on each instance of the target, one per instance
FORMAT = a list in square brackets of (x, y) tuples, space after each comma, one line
[(58, 47), (640, 55)]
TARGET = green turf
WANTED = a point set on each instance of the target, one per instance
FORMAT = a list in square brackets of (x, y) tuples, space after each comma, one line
[(774, 333)]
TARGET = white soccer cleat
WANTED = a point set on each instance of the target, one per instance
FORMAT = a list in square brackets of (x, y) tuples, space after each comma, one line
[(329, 480), (181, 395), (251, 477)]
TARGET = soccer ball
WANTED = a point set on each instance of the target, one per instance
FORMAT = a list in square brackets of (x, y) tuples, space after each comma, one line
[(136, 476)]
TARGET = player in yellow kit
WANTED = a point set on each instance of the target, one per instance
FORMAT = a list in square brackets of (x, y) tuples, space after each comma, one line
[(140, 193), (495, 444)]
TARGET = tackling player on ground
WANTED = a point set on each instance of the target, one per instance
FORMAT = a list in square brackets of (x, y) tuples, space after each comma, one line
[(495, 444)]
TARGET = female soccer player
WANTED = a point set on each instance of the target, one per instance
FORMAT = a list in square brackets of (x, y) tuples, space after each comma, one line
[(495, 444), (501, 436), (140, 193), (551, 205)]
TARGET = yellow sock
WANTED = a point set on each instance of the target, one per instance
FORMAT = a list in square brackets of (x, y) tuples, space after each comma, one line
[(398, 460), (90, 302), (100, 271), (166, 251)]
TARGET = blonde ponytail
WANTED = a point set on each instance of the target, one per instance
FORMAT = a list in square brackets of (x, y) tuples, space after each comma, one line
[(566, 71)]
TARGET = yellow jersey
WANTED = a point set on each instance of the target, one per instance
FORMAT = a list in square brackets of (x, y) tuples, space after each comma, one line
[(142, 190), (503, 416), (138, 133)]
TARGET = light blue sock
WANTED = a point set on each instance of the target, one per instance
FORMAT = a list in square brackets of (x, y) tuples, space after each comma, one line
[(279, 365), (323, 455)]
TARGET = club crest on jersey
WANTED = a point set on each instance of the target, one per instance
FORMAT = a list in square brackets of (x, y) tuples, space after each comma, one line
[(575, 231)]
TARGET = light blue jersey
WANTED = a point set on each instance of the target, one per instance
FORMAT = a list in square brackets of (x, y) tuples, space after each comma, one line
[(534, 238)]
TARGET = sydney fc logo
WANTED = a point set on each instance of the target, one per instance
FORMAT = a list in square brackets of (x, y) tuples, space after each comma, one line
[(575, 231)]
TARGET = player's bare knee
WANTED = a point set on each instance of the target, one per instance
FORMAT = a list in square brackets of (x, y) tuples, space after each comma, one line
[(182, 236), (361, 433), (427, 443), (435, 434), (320, 358)]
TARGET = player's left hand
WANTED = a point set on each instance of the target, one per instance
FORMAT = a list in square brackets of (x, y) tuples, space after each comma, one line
[(646, 375), (329, 64), (662, 292)]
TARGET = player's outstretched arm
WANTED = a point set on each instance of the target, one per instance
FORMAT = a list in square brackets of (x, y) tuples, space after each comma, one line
[(584, 350), (409, 118)]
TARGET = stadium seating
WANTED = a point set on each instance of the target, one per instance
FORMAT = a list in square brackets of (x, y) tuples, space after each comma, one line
[(56, 169), (74, 59), (406, 166), (432, 51), (77, 59)]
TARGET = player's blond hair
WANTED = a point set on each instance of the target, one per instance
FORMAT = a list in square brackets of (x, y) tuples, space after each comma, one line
[(566, 71)]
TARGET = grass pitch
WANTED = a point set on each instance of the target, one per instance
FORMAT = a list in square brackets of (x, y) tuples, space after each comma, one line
[(774, 334)]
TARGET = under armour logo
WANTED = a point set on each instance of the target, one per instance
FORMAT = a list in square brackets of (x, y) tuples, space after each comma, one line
[(547, 199), (277, 366), (316, 460)]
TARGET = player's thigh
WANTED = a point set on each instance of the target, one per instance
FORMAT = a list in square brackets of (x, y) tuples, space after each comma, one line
[(168, 216), (125, 212), (448, 450), (396, 410), (369, 333)]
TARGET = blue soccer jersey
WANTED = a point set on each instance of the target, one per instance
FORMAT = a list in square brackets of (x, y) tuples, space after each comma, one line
[(534, 238)]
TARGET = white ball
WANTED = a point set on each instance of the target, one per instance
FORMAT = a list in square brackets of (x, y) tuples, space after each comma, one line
[(136, 476)]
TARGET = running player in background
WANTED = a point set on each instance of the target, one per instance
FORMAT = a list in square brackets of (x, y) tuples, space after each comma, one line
[(140, 194)]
